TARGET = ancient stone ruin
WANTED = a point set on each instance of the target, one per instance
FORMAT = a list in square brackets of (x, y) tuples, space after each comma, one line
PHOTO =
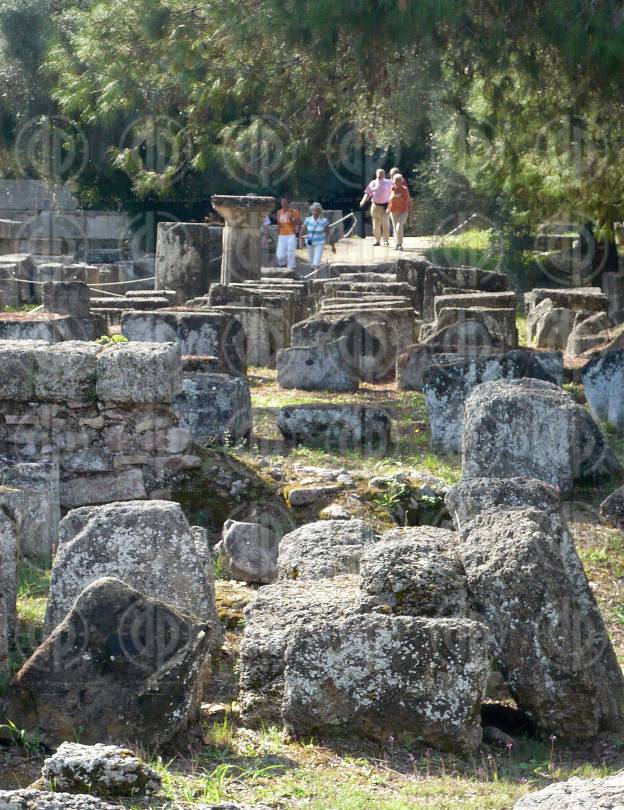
[(231, 429)]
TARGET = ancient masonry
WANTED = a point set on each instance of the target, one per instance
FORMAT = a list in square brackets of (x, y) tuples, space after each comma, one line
[(111, 396)]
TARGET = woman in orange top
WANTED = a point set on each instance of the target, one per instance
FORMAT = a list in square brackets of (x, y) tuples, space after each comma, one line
[(399, 206), (288, 225)]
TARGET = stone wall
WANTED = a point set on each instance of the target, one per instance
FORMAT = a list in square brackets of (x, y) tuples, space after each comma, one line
[(104, 413)]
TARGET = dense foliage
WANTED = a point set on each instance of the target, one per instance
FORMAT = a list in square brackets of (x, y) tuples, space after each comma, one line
[(513, 110)]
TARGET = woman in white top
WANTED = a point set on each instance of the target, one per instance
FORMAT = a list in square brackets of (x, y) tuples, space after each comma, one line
[(315, 232)]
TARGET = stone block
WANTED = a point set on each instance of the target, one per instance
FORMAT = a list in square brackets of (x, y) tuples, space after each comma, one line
[(8, 582), (603, 380), (149, 545), (213, 334), (613, 288), (249, 551), (184, 251), (330, 366), (532, 428), (271, 619), (549, 639), (100, 488), (473, 329), (215, 407), (121, 665), (18, 368), (383, 675), (587, 333), (139, 372), (448, 382), (414, 572), (499, 300), (32, 496), (326, 548), (67, 298), (66, 372), (337, 427)]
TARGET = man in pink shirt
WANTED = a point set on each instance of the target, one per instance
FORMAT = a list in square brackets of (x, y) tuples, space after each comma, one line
[(378, 191)]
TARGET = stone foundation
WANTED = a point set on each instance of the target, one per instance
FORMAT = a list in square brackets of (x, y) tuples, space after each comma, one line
[(104, 414)]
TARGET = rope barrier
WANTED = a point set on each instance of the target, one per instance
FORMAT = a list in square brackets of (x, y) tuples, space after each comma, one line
[(107, 292), (119, 283)]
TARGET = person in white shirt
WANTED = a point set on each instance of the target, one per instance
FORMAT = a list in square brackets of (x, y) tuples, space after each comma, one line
[(378, 192)]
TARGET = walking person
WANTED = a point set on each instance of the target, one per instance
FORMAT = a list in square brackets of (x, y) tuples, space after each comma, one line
[(288, 226), (399, 206), (378, 192), (316, 232), (394, 171)]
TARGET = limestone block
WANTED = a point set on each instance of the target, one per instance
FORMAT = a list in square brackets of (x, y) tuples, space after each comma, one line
[(139, 372), (215, 407), (66, 372), (330, 366)]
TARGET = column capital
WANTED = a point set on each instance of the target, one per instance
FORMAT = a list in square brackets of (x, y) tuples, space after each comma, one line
[(244, 211)]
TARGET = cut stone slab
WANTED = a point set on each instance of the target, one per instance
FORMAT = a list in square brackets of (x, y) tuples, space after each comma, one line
[(249, 551), (381, 675), (477, 328), (549, 639), (578, 298), (323, 549), (30, 799), (312, 493), (124, 485), (149, 545), (465, 300), (103, 770), (215, 407), (66, 371), (270, 622), (33, 499), (139, 372), (447, 384), (417, 574), (198, 333), (342, 427), (533, 429), (329, 366), (121, 666), (587, 333), (603, 381), (468, 499), (67, 298), (18, 364), (577, 794)]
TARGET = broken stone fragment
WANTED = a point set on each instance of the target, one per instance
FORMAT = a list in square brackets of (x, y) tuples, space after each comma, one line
[(577, 794), (121, 666), (382, 675), (249, 551), (325, 548), (147, 544), (102, 770), (30, 799)]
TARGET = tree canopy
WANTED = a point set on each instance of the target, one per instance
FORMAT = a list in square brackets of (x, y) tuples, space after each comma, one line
[(517, 109)]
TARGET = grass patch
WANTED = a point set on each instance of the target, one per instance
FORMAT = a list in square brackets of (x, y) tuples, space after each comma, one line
[(411, 435)]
